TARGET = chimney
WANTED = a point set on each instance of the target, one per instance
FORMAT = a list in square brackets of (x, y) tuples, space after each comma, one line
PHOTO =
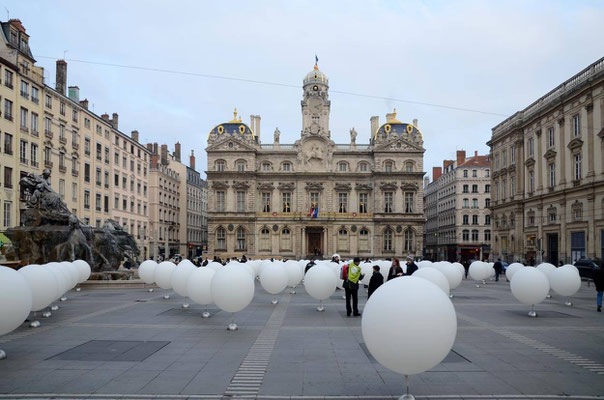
[(415, 122), (154, 160), (164, 154), (446, 163), (134, 135), (114, 120), (436, 173), (105, 117), (192, 160), (74, 93), (390, 117), (426, 181), (476, 154), (375, 125), (84, 103), (461, 157), (252, 120), (177, 151), (150, 147), (155, 148), (61, 76), (257, 127)]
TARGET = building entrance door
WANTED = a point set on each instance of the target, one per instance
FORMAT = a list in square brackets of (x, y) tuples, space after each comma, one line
[(552, 248), (314, 240)]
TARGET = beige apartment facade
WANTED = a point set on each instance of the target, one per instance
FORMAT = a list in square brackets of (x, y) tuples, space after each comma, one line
[(47, 128), (314, 197), (194, 210), (548, 175), (458, 216)]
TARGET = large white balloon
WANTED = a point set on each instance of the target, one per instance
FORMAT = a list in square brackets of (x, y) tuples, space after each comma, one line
[(62, 278), (232, 289), (479, 270), (181, 275), (547, 269), (320, 282), (41, 282), (453, 274), (199, 287), (294, 274), (72, 272), (146, 271), (163, 274), (529, 286), (367, 271), (512, 269), (84, 270), (274, 277), (15, 299), (434, 276), (215, 266), (424, 264), (565, 280), (428, 327)]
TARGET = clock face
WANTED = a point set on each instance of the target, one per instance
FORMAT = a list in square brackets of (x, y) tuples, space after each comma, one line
[(315, 105)]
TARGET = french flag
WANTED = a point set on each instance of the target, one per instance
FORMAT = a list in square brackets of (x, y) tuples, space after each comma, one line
[(316, 212), (312, 210)]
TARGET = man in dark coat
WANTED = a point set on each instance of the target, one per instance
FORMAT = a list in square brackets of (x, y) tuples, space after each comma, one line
[(599, 284), (411, 266), (309, 265), (498, 267), (377, 279)]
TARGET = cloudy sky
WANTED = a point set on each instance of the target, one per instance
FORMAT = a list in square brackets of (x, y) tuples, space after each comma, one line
[(494, 57)]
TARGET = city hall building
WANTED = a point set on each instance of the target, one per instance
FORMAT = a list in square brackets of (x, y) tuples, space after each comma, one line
[(314, 197)]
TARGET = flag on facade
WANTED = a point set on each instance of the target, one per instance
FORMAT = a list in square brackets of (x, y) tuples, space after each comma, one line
[(312, 210), (316, 212)]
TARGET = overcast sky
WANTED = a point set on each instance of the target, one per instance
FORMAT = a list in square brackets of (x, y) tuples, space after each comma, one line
[(495, 57)]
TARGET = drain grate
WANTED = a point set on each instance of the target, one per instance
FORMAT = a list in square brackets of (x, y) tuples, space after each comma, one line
[(111, 350)]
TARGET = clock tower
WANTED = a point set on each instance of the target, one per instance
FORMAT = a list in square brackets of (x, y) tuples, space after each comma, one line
[(315, 104)]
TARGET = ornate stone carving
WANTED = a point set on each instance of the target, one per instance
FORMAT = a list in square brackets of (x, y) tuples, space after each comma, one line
[(550, 154), (575, 144), (277, 135), (240, 185), (265, 186), (343, 187), (410, 186), (363, 187), (353, 136), (314, 186), (286, 186), (220, 185), (388, 186)]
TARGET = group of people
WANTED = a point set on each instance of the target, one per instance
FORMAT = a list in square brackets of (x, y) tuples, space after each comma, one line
[(351, 275)]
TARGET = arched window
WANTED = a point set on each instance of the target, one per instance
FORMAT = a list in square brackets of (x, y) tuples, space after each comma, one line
[(266, 166), (474, 235), (465, 235), (363, 240), (220, 165), (220, 239), (286, 240), (388, 240), (286, 166), (409, 166), (240, 165), (265, 239), (240, 239), (388, 166), (342, 167), (363, 167), (343, 241), (409, 240)]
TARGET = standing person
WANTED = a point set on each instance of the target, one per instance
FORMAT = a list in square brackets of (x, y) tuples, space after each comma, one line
[(599, 283), (411, 266), (377, 279), (335, 258), (395, 270), (351, 286), (309, 265), (498, 267), (466, 267)]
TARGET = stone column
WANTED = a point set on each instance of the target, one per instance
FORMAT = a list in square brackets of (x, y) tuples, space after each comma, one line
[(539, 217), (303, 241), (590, 143), (563, 232), (562, 150), (539, 162), (591, 226)]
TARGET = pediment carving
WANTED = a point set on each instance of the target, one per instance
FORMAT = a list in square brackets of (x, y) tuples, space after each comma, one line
[(388, 186), (265, 186), (286, 186), (240, 185), (550, 154), (314, 186), (363, 187), (575, 144), (529, 162), (399, 144), (220, 185), (410, 186), (343, 187)]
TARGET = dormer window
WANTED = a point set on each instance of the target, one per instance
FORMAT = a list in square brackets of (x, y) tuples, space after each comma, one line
[(266, 166), (240, 165), (220, 164), (342, 167), (388, 166), (286, 166), (363, 167)]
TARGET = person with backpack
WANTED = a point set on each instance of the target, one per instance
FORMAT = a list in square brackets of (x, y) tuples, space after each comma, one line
[(377, 279), (351, 286)]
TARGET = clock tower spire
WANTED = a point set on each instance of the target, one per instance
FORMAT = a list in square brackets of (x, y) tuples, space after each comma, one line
[(315, 103)]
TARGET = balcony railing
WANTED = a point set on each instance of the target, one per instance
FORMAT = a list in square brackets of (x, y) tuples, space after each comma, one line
[(23, 160), (35, 164), (35, 133), (24, 94), (36, 100), (75, 145), (8, 150), (75, 172), (48, 163), (62, 139), (48, 133), (62, 168)]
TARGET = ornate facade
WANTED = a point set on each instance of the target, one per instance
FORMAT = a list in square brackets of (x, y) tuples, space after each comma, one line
[(315, 197), (548, 175)]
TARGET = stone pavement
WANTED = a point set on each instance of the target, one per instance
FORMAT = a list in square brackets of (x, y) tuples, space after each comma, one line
[(132, 344)]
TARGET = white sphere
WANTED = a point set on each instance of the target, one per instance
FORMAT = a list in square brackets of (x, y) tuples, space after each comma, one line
[(199, 287), (529, 286), (232, 289), (15, 300), (180, 277), (62, 277), (320, 282), (385, 268), (84, 270), (41, 282), (435, 276), (424, 264), (244, 266), (274, 277), (367, 271), (146, 271), (453, 274), (72, 271), (163, 274), (294, 274), (214, 266), (460, 268), (428, 327), (572, 266), (565, 281), (512, 269), (56, 281), (479, 270), (547, 269)]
